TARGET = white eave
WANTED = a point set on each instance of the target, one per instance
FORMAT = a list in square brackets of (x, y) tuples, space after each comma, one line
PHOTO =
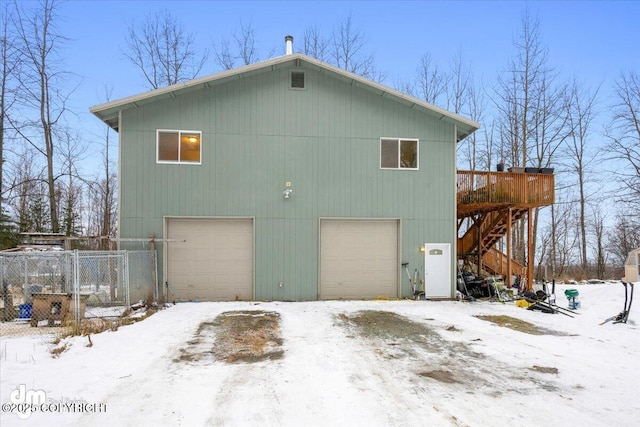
[(109, 112)]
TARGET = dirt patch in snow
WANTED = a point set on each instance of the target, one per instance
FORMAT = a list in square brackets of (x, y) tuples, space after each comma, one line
[(544, 369), (440, 375), (387, 325), (519, 325), (418, 348), (395, 337), (237, 337)]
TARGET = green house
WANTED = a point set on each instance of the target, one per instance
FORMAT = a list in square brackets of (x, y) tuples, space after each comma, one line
[(288, 179)]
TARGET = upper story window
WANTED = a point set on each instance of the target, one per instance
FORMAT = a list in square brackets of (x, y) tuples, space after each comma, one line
[(398, 153), (179, 146)]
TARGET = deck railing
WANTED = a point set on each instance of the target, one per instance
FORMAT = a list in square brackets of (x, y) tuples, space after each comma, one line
[(505, 188)]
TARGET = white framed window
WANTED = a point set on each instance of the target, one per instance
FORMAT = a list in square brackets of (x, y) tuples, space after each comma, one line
[(399, 153), (179, 146)]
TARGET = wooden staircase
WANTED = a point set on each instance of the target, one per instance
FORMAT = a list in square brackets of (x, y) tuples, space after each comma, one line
[(493, 226), (486, 198), (495, 262)]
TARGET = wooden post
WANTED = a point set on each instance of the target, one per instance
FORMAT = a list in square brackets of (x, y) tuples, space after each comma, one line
[(152, 263), (480, 219), (152, 241), (529, 251), (509, 273)]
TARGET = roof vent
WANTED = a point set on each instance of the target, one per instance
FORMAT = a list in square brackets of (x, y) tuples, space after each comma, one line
[(289, 43), (297, 79)]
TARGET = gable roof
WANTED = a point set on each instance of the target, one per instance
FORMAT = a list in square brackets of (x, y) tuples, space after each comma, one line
[(108, 112)]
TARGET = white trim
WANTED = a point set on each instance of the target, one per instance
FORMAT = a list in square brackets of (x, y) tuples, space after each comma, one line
[(454, 246), (119, 196), (165, 255), (399, 141), (179, 132), (107, 111), (291, 79)]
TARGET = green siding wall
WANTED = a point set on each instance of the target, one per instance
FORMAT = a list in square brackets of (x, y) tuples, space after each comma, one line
[(256, 135)]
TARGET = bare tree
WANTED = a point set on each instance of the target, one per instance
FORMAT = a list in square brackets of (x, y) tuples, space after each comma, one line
[(223, 56), (243, 49), (315, 45), (10, 63), (530, 110), (488, 151), (246, 41), (108, 186), (348, 51), (26, 193), (41, 83), (558, 239), (431, 81), (599, 249), (163, 51), (525, 90), (457, 89), (549, 129), (624, 136), (580, 114), (468, 98), (101, 194), (70, 192), (624, 236)]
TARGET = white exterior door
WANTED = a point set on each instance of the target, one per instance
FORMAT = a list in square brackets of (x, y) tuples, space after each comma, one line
[(437, 270)]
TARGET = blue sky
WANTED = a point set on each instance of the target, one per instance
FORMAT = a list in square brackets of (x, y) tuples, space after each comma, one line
[(590, 40)]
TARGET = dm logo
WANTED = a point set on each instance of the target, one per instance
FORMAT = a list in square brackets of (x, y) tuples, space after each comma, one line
[(27, 401)]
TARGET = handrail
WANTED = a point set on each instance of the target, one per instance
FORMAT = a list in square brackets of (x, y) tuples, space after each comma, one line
[(522, 189)]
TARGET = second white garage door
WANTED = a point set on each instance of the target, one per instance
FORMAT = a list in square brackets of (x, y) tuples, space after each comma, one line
[(358, 259), (214, 264)]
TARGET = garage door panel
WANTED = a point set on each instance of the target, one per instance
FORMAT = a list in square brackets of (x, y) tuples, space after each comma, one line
[(216, 261), (358, 258)]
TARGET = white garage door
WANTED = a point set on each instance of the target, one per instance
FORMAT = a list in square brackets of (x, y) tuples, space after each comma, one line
[(215, 263), (358, 259)]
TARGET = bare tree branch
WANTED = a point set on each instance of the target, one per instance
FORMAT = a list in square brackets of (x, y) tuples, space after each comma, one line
[(315, 45), (163, 51), (624, 136), (347, 52)]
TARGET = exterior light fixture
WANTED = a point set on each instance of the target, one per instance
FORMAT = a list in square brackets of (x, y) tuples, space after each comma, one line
[(288, 190)]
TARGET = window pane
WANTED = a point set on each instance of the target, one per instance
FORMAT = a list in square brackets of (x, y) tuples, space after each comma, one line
[(389, 153), (190, 147), (168, 146), (409, 154)]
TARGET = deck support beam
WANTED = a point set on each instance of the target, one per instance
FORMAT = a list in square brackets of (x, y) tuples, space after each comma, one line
[(509, 273), (529, 251)]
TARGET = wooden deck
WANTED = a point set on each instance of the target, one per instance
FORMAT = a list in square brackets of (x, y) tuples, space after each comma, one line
[(480, 192), (494, 201)]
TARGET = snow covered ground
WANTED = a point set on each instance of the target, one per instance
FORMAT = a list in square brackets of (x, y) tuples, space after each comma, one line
[(469, 372)]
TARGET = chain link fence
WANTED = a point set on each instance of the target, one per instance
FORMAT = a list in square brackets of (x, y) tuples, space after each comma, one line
[(57, 288)]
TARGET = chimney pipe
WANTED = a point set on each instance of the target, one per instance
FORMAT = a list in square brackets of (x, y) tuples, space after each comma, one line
[(289, 43)]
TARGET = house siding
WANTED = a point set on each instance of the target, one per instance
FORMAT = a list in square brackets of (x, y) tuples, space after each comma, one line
[(256, 135)]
